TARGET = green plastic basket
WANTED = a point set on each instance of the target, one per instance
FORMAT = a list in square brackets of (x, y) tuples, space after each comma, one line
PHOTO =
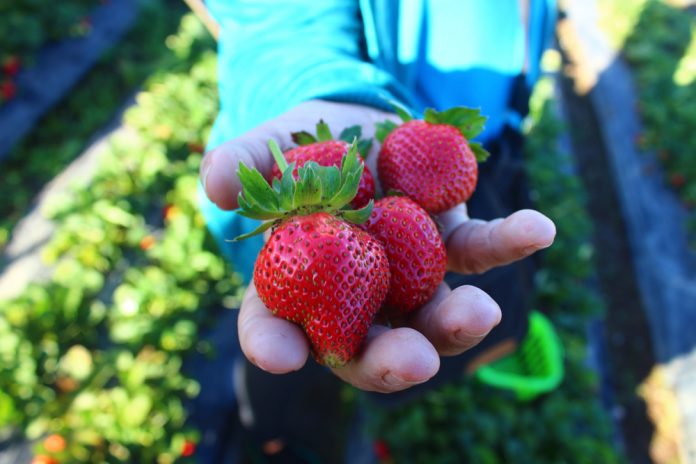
[(533, 369)]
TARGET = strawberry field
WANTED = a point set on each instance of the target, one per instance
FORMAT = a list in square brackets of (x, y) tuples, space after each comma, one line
[(92, 360)]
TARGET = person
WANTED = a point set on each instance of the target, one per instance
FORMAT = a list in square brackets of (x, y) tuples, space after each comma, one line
[(285, 65)]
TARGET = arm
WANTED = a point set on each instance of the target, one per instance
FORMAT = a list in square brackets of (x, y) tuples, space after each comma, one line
[(275, 55)]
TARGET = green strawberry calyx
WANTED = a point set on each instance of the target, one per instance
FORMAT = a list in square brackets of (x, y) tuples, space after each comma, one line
[(323, 134), (316, 189), (469, 121)]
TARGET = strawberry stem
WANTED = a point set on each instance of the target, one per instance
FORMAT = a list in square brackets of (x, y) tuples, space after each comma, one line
[(278, 155)]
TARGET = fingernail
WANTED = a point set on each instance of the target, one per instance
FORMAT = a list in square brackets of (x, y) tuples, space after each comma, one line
[(392, 380)]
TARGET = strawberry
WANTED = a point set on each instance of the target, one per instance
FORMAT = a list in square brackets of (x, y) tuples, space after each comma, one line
[(432, 160), (188, 448), (54, 443), (317, 269), (8, 90), (415, 250), (326, 151), (11, 65)]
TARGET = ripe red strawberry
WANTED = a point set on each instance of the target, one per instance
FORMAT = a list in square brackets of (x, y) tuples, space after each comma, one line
[(325, 151), (8, 90), (415, 250), (11, 65), (432, 160), (317, 269)]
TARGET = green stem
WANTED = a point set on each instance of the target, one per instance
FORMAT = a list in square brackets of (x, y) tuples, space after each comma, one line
[(278, 155)]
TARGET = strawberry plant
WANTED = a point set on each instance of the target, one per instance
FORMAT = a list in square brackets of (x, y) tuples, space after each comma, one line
[(56, 142), (94, 356), (661, 51)]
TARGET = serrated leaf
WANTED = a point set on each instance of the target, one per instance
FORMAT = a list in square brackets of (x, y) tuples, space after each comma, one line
[(347, 191), (276, 184), (383, 129), (480, 153), (303, 138), (256, 189), (469, 121), (358, 216), (349, 162), (309, 188), (431, 116), (351, 133), (323, 131), (259, 230), (287, 189), (331, 181)]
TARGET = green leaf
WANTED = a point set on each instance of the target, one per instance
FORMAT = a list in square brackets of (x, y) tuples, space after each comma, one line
[(358, 216), (287, 189), (303, 138), (331, 181), (469, 121), (259, 230), (256, 189), (401, 111), (364, 147), (480, 153), (382, 129), (309, 188), (351, 133), (323, 132), (278, 155)]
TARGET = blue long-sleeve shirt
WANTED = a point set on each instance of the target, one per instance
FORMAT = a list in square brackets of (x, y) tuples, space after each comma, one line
[(275, 54)]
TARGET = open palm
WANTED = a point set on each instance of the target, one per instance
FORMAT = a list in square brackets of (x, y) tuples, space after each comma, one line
[(392, 359)]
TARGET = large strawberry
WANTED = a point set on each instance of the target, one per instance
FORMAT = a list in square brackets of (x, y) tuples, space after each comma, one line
[(432, 160), (317, 269), (325, 151), (416, 253)]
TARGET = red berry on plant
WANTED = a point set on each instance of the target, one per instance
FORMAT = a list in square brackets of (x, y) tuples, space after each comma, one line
[(147, 242), (54, 443), (188, 448), (432, 160), (43, 459), (677, 180), (382, 451), (8, 90), (11, 65)]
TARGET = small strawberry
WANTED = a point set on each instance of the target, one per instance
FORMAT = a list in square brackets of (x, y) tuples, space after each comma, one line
[(8, 90), (11, 65), (317, 269), (432, 160), (325, 151), (188, 448), (415, 250), (54, 443), (147, 242)]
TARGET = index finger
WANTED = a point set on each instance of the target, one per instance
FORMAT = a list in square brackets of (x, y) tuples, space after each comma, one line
[(271, 343)]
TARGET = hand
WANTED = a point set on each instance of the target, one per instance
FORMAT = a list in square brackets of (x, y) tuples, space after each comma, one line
[(392, 359)]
